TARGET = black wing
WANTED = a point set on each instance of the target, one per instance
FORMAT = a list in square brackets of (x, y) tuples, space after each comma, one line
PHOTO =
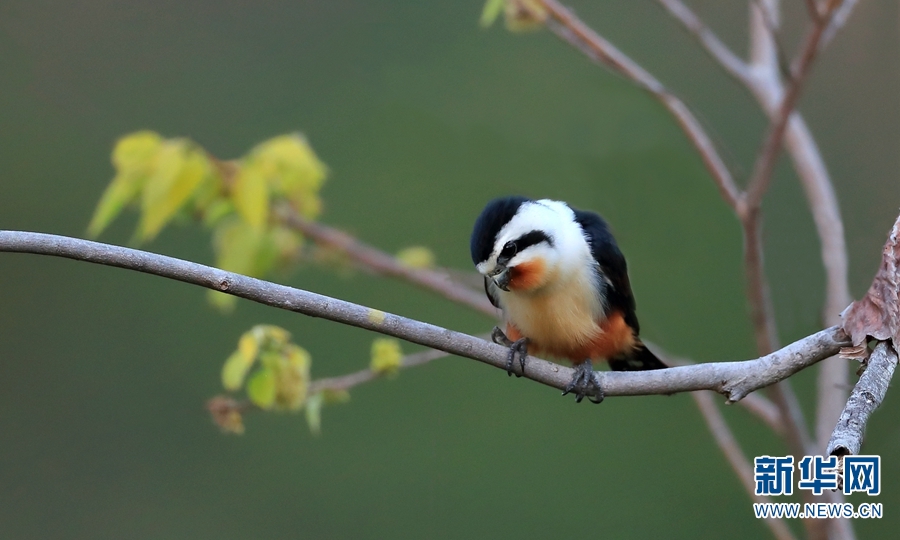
[(612, 265)]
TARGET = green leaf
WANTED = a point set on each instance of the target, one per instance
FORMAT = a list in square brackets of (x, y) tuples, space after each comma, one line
[(250, 194), (314, 413), (386, 356), (261, 388), (222, 302), (121, 191), (133, 157), (491, 11), (237, 246), (235, 369), (293, 376), (216, 211), (286, 244), (180, 170), (136, 150), (272, 334), (242, 249), (248, 345), (294, 171)]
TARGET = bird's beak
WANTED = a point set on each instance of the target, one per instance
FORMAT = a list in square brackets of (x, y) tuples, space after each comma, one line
[(501, 277)]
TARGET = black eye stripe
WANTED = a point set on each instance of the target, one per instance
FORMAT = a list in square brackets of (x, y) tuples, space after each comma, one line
[(532, 238), (520, 244)]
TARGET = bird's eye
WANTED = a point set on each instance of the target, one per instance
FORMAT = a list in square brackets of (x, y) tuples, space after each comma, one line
[(509, 250)]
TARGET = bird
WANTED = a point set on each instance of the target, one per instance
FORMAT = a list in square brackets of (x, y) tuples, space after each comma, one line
[(561, 282)]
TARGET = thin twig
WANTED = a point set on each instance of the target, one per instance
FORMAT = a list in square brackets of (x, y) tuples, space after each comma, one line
[(571, 29), (736, 457), (838, 20), (768, 156), (756, 403), (867, 395), (734, 380), (732, 63), (383, 263), (346, 382)]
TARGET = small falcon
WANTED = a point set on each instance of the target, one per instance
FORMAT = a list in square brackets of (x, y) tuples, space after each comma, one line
[(562, 284)]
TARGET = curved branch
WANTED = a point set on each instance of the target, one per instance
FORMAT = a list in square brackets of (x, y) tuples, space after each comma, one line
[(732, 63), (346, 382), (571, 29), (734, 380), (736, 458), (768, 156), (383, 263), (867, 395)]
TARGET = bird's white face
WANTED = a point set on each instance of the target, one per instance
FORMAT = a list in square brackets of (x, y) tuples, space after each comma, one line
[(540, 244)]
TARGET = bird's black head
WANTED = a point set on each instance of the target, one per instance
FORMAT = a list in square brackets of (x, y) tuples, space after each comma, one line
[(495, 215)]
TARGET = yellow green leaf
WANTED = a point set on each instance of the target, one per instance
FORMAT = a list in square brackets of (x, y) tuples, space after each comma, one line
[(216, 210), (211, 191), (235, 369), (286, 243), (491, 11), (250, 194), (136, 150), (314, 413), (224, 303), (416, 257), (293, 376), (298, 358), (248, 345), (133, 157), (179, 171), (386, 356), (118, 193), (274, 334), (294, 171), (261, 388), (237, 246)]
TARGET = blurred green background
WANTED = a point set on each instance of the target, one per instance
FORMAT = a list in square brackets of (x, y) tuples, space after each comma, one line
[(422, 117)]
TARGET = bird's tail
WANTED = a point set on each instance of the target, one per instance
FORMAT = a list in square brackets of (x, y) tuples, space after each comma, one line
[(641, 359)]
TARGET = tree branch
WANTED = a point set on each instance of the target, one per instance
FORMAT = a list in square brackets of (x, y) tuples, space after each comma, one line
[(768, 156), (385, 264), (571, 29), (734, 380), (732, 63), (735, 456), (346, 382), (867, 395)]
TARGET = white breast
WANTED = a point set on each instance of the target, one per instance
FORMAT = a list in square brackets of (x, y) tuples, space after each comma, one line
[(560, 317)]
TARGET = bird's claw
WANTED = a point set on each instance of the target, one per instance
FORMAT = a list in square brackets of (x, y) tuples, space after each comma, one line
[(516, 348), (585, 384), (498, 337)]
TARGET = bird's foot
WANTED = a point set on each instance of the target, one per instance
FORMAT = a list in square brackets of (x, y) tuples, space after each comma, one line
[(518, 348), (584, 383)]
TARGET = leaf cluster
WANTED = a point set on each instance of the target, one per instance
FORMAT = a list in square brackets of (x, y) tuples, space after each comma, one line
[(171, 178)]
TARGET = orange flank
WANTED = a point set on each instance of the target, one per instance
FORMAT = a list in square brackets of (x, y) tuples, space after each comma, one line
[(527, 275), (613, 338)]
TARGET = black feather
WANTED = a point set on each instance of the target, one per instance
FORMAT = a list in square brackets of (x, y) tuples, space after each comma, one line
[(618, 293), (495, 215), (641, 360), (612, 265)]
